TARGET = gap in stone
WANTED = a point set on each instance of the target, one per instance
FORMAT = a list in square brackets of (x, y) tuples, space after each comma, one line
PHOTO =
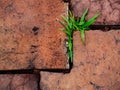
[(38, 82), (56, 70), (105, 27), (31, 71), (34, 71), (66, 1)]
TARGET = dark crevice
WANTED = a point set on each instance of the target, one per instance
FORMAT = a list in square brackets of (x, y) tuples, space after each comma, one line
[(38, 82), (33, 71), (35, 30), (56, 70), (66, 1), (105, 27), (71, 65), (29, 71)]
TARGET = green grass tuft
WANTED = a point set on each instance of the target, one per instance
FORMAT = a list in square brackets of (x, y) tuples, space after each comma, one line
[(80, 24)]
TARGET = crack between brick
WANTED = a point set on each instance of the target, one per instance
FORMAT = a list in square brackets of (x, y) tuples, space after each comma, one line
[(38, 82), (105, 27), (66, 1), (29, 71)]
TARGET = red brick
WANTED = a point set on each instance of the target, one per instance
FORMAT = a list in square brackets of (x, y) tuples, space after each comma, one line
[(30, 35), (96, 65), (18, 82), (109, 10)]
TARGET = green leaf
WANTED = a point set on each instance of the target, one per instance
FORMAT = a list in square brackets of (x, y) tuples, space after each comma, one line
[(65, 19), (70, 14), (77, 28), (91, 21), (72, 20), (82, 20), (82, 33), (68, 33)]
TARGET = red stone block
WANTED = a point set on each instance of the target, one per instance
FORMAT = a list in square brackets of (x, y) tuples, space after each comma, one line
[(96, 65), (109, 10), (19, 82), (30, 35)]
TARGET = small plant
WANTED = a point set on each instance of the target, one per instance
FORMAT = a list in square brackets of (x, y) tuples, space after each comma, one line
[(80, 24)]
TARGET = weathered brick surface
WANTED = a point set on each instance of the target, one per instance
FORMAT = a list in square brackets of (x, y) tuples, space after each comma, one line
[(18, 82), (30, 35), (109, 10), (96, 65)]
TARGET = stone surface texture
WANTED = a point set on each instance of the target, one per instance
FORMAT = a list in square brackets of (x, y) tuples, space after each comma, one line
[(30, 35), (109, 10), (19, 82), (30, 39), (96, 64)]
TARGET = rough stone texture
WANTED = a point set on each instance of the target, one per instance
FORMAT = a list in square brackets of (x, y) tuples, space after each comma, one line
[(109, 10), (18, 82), (30, 35), (96, 64)]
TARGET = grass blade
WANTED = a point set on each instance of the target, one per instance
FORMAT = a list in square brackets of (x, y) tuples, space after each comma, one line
[(91, 21), (82, 33), (65, 19), (82, 20)]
